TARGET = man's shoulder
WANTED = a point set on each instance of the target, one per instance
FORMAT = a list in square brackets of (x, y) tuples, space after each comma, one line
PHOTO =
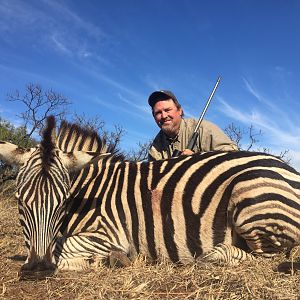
[(189, 122), (207, 126), (193, 121)]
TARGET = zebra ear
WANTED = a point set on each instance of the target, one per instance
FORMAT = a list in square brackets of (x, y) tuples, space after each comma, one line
[(14, 155), (77, 159)]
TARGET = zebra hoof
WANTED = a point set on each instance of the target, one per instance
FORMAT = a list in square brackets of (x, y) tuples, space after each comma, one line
[(288, 267), (118, 259)]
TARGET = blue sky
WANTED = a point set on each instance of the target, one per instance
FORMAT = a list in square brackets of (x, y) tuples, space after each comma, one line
[(108, 56)]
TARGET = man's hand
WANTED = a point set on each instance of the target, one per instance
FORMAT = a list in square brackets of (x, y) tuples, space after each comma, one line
[(187, 152)]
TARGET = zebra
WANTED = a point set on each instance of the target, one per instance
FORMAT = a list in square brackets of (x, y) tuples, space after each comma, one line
[(43, 186), (79, 205)]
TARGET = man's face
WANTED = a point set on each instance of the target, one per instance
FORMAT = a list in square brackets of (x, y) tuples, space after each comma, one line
[(167, 116)]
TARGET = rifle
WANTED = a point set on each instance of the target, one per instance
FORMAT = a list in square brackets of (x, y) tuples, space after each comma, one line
[(195, 135)]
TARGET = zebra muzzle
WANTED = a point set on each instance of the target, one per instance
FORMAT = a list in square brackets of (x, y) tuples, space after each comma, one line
[(39, 271), (37, 268)]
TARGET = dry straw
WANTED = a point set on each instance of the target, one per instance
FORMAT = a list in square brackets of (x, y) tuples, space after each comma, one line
[(251, 280)]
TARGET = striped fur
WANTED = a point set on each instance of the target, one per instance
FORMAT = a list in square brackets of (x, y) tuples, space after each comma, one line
[(43, 187), (42, 182), (218, 206), (72, 137), (211, 205)]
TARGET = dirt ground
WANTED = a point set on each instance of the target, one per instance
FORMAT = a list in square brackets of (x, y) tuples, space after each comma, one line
[(250, 280)]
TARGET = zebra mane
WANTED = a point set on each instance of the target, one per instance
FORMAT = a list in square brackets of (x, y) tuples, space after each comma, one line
[(48, 142), (72, 137)]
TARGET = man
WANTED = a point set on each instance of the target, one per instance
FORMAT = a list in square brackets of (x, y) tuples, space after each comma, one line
[(176, 131)]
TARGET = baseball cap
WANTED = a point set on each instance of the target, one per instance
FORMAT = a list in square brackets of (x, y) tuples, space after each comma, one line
[(161, 95)]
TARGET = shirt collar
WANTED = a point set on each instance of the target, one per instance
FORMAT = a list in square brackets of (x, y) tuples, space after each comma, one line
[(172, 140)]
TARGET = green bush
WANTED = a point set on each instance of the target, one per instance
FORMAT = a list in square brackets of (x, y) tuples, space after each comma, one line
[(17, 136)]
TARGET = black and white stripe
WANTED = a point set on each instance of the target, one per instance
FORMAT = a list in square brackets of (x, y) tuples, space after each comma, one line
[(184, 208), (43, 185), (216, 205)]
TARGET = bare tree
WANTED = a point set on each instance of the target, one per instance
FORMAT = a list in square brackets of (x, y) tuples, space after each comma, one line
[(39, 104), (141, 153), (238, 135), (94, 123), (284, 155), (114, 137)]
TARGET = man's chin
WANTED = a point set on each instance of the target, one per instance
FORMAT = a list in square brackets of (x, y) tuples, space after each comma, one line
[(168, 130)]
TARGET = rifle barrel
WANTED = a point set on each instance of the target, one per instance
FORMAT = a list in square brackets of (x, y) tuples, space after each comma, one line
[(194, 137), (207, 104)]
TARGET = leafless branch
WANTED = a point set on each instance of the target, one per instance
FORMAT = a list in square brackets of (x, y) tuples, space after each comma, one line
[(141, 153), (237, 134), (39, 104), (113, 138), (94, 123)]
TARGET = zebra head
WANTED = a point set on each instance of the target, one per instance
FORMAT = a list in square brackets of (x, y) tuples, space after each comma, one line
[(42, 190)]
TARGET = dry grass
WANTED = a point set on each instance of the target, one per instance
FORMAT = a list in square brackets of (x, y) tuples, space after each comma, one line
[(251, 280)]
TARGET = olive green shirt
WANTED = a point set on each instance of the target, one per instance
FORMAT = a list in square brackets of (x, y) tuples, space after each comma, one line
[(210, 138)]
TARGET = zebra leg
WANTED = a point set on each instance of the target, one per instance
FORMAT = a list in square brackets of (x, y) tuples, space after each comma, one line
[(80, 252), (74, 264), (115, 259), (84, 251), (228, 254), (264, 239)]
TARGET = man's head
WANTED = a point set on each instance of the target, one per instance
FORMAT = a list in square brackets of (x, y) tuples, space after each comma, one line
[(166, 111)]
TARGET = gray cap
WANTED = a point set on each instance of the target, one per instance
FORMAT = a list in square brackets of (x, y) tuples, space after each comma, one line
[(160, 96)]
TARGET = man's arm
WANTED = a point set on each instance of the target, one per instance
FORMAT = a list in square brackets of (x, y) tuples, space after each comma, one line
[(214, 139), (156, 151)]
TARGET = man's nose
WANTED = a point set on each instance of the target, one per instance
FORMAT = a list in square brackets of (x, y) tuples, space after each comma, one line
[(164, 114)]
